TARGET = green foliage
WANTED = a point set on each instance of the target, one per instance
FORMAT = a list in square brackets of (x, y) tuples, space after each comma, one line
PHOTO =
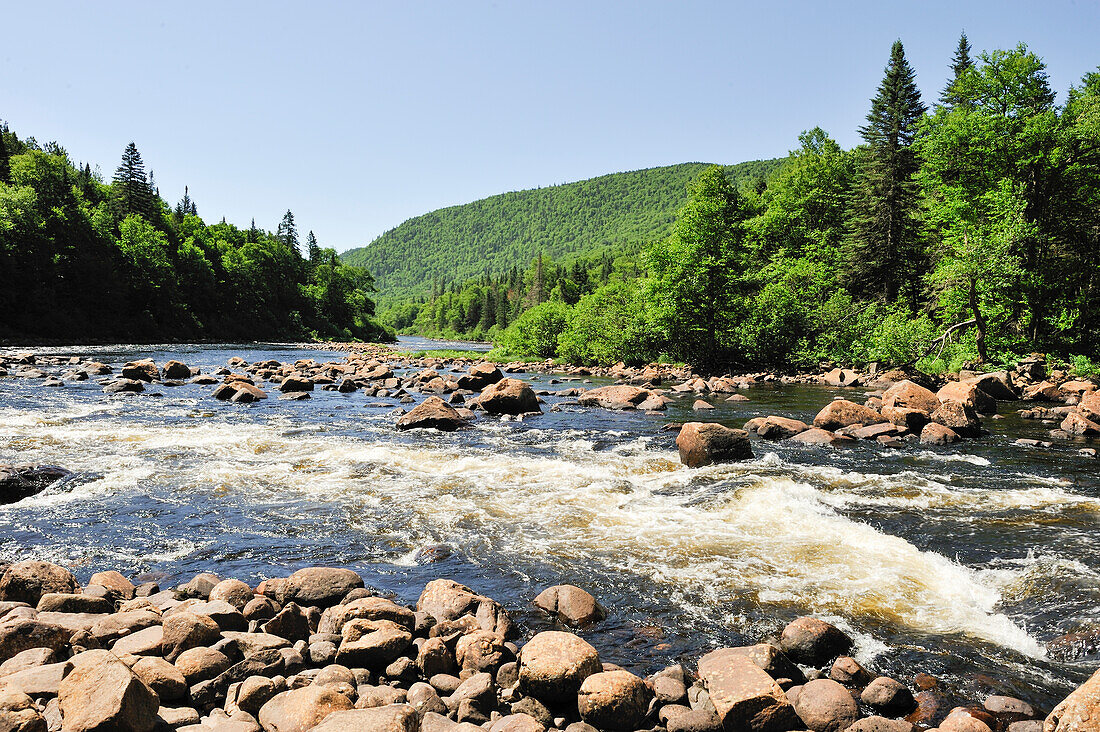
[(613, 213), (536, 332), (608, 326)]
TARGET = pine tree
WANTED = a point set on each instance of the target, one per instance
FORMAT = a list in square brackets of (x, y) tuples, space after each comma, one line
[(5, 165), (960, 64), (186, 207), (287, 233), (312, 247), (253, 233), (883, 237), (132, 192)]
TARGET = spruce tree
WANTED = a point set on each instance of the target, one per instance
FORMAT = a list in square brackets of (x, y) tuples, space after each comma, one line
[(313, 248), (253, 232), (132, 192), (287, 233), (883, 244), (960, 64), (5, 165)]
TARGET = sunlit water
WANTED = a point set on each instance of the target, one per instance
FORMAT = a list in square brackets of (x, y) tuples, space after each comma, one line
[(962, 561)]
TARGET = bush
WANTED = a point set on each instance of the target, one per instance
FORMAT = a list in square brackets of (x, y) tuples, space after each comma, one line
[(776, 328), (535, 333), (606, 327)]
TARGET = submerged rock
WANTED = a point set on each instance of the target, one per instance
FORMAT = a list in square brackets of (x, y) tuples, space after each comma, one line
[(23, 481)]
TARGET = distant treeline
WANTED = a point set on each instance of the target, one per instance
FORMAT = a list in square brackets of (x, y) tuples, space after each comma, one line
[(86, 259), (958, 235)]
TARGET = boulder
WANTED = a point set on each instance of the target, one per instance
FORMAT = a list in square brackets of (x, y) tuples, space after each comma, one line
[(881, 724), (372, 643), (772, 661), (517, 722), (102, 693), (1076, 423), (162, 677), (813, 642), (888, 696), (613, 700), (906, 418), (233, 591), (371, 608), (65, 603), (826, 706), (176, 370), (553, 665), (114, 581), (184, 630), (200, 664), (1078, 711), (571, 604), (18, 713), (843, 413), (780, 428), (959, 417), (445, 599), (295, 383), (912, 396), (617, 396), (744, 696), (842, 377), (143, 370), (508, 396), (1089, 406), (481, 650), (706, 443), (301, 709), (938, 434), (997, 384), (388, 718), (38, 681), (29, 580), (432, 413), (818, 436), (480, 376), (320, 586), (23, 481)]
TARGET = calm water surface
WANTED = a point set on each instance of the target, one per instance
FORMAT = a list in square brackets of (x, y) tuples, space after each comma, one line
[(961, 561)]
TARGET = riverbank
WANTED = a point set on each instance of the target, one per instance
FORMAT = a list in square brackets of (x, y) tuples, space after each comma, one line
[(320, 650)]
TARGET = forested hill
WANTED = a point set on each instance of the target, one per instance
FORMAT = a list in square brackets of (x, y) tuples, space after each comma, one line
[(496, 233)]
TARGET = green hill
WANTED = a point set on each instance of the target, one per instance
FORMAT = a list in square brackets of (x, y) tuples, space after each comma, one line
[(491, 235)]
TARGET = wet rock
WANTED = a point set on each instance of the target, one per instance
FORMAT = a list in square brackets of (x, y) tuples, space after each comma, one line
[(997, 384), (1007, 709), (508, 396), (571, 604), (938, 434), (176, 370), (616, 396), (23, 481), (103, 694), (912, 420), (247, 393), (912, 396), (771, 660), (818, 436), (843, 413), (1078, 711), (296, 384), (744, 696), (480, 376), (320, 586), (119, 386), (876, 431), (780, 428), (848, 671), (1077, 424), (432, 413), (143, 370), (553, 664), (826, 706), (614, 700), (706, 443), (813, 642), (888, 696), (302, 709), (959, 417)]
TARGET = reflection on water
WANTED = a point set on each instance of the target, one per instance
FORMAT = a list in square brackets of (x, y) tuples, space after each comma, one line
[(962, 562)]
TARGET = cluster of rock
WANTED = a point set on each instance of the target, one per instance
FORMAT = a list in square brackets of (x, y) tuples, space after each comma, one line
[(317, 650)]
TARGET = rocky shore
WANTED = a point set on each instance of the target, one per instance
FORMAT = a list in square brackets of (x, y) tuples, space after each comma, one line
[(318, 650)]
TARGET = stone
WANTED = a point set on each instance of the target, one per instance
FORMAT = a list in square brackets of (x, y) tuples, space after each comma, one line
[(233, 591), (389, 718), (962, 720), (103, 694), (334, 618), (254, 692), (553, 665), (18, 714), (434, 657), (1077, 424), (772, 660), (743, 695), (185, 630), (616, 396), (826, 706), (21, 635), (301, 709), (1078, 711), (694, 720), (145, 642), (959, 417), (888, 696), (910, 395), (571, 604), (30, 658), (848, 671), (818, 436), (613, 700), (144, 370), (112, 580), (221, 612), (200, 586), (66, 603), (813, 642), (445, 600), (938, 434), (27, 581), (1008, 709), (968, 394), (996, 384), (912, 420), (780, 428), (881, 724), (480, 376), (843, 413), (372, 643), (38, 681), (176, 370), (321, 586), (841, 377), (481, 650), (25, 480), (296, 384), (162, 677), (290, 623), (707, 443), (201, 664), (432, 413), (508, 396), (177, 717), (517, 723)]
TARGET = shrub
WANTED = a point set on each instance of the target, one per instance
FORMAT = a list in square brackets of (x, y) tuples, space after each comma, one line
[(535, 333)]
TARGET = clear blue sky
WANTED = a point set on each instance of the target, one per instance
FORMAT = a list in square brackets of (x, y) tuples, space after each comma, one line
[(359, 115)]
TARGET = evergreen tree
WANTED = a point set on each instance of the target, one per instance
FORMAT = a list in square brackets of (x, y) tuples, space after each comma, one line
[(313, 248), (5, 166), (950, 96), (287, 233), (253, 232), (186, 206), (883, 235), (132, 192)]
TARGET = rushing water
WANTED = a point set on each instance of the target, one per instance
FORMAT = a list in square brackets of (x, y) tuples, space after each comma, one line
[(961, 561)]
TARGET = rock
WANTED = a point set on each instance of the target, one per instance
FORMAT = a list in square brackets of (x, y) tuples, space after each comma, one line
[(481, 650), (1007, 709), (38, 681), (771, 660), (23, 481), (881, 724), (962, 720), (18, 714), (221, 612), (968, 394), (938, 434), (144, 642), (30, 658), (887, 696), (779, 428), (912, 420), (826, 706), (813, 642), (912, 396), (65, 603), (143, 370), (1077, 424), (842, 377), (162, 677), (372, 643), (432, 413), (706, 443), (843, 413), (996, 384), (389, 718), (848, 671), (185, 630), (818, 436), (27, 581), (1089, 406), (320, 586), (517, 723), (296, 384), (508, 396), (302, 709), (480, 376), (701, 405), (290, 623), (571, 604), (553, 665), (233, 591), (433, 657), (114, 581), (695, 720), (200, 586), (744, 696), (371, 608), (613, 700), (445, 600), (254, 692), (959, 417), (200, 664), (103, 694), (21, 635), (176, 370), (616, 396), (1078, 711)]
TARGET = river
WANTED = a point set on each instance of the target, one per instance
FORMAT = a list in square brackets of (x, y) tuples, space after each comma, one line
[(961, 561)]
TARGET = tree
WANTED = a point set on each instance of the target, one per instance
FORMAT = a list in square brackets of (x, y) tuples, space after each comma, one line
[(287, 233), (884, 256), (186, 206), (695, 289), (133, 194), (960, 64), (313, 248), (5, 166)]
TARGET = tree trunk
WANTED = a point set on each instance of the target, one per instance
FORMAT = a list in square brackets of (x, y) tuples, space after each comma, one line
[(979, 321)]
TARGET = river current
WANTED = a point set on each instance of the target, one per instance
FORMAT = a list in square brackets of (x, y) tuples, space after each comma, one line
[(962, 561)]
